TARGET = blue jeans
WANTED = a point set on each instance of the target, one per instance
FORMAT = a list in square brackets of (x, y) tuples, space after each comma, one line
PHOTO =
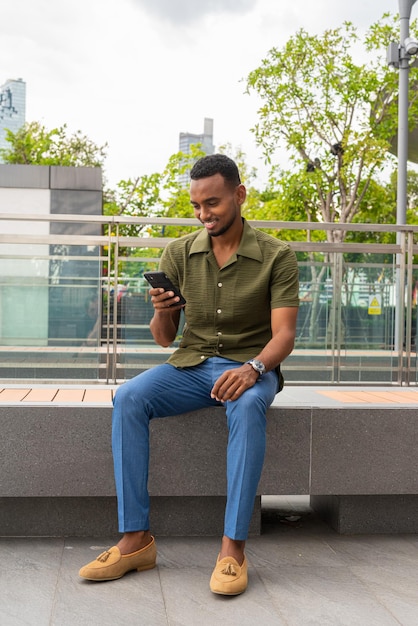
[(165, 390)]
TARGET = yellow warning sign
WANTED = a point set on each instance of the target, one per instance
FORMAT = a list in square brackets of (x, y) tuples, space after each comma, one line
[(375, 305)]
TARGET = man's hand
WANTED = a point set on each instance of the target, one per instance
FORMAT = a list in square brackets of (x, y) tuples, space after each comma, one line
[(166, 318), (232, 383), (162, 299)]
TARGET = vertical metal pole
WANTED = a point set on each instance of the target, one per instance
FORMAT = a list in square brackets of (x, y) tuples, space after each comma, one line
[(405, 7), (109, 273), (115, 306)]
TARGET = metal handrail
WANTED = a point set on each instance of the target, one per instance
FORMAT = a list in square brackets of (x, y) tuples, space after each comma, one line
[(191, 221)]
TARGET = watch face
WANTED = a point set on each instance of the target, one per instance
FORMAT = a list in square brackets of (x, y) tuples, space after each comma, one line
[(258, 365)]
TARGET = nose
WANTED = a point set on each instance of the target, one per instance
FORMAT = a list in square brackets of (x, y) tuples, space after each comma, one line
[(204, 213)]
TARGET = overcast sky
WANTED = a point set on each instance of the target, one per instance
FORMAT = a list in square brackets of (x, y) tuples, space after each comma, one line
[(136, 73)]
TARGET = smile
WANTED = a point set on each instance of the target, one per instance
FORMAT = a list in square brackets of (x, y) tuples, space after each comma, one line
[(209, 225)]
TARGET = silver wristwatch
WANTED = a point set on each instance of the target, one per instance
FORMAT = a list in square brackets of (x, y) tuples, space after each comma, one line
[(258, 366)]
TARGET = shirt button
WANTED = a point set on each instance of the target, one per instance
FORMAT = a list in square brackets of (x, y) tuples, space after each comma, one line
[(219, 284), (221, 345), (219, 311), (202, 357), (219, 333)]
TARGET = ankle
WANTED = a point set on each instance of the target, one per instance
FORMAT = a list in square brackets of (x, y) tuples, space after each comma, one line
[(232, 547), (134, 541)]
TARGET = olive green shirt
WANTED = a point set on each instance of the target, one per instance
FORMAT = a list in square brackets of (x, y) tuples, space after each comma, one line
[(228, 310)]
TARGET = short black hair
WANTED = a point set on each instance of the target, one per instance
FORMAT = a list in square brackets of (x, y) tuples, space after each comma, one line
[(216, 164)]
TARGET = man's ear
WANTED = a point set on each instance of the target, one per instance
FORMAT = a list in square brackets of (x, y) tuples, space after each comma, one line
[(241, 194)]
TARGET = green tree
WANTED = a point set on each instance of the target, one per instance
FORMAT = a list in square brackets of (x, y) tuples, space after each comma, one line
[(335, 118), (33, 144), (154, 195)]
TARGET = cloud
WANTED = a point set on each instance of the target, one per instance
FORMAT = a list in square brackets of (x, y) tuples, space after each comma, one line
[(187, 11)]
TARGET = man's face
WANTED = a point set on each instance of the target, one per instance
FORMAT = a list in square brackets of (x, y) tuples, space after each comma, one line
[(216, 203)]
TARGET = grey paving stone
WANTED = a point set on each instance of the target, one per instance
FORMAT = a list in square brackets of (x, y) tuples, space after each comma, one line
[(28, 577), (294, 550), (186, 552), (325, 596), (396, 588), (376, 550)]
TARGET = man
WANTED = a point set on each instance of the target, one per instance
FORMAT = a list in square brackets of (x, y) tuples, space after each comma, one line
[(241, 291)]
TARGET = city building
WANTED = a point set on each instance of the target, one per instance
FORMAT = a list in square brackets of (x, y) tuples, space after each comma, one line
[(188, 139), (12, 108)]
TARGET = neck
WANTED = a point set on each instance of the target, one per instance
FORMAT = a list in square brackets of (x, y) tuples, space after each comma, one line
[(231, 239), (224, 246)]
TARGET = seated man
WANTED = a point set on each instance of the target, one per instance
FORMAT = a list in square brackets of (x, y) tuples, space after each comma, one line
[(241, 291)]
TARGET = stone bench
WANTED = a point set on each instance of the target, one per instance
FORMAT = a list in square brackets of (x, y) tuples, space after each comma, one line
[(357, 460)]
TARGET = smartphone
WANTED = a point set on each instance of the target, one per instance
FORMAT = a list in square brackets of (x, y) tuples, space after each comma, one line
[(160, 279)]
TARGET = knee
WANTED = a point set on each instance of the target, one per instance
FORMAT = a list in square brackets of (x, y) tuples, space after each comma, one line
[(249, 414), (122, 394), (128, 396), (251, 403)]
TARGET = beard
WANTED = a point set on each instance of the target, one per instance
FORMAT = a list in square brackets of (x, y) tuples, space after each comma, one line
[(223, 229)]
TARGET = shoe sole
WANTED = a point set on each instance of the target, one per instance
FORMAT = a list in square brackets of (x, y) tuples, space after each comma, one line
[(228, 593), (142, 568)]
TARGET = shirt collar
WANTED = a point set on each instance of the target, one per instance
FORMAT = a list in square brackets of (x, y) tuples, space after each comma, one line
[(248, 246)]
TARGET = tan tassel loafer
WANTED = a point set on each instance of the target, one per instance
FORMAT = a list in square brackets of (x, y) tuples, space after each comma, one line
[(228, 578), (111, 564)]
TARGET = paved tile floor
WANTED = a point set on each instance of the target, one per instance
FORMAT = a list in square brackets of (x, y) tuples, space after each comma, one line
[(301, 573)]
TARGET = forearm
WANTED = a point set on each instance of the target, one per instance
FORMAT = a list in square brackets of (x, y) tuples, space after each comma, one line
[(163, 327), (277, 349), (283, 338)]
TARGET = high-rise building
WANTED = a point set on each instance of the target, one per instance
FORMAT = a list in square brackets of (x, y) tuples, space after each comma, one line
[(12, 108), (188, 139)]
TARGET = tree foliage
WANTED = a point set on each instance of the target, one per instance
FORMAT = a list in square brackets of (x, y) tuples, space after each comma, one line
[(154, 195), (336, 119), (33, 144)]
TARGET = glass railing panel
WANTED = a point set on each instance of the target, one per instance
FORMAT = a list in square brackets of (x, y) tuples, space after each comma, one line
[(134, 347), (312, 359), (50, 312), (366, 330), (413, 361)]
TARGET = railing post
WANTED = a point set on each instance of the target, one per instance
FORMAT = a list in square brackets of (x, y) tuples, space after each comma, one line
[(408, 324), (400, 305), (115, 306), (109, 272), (338, 280)]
